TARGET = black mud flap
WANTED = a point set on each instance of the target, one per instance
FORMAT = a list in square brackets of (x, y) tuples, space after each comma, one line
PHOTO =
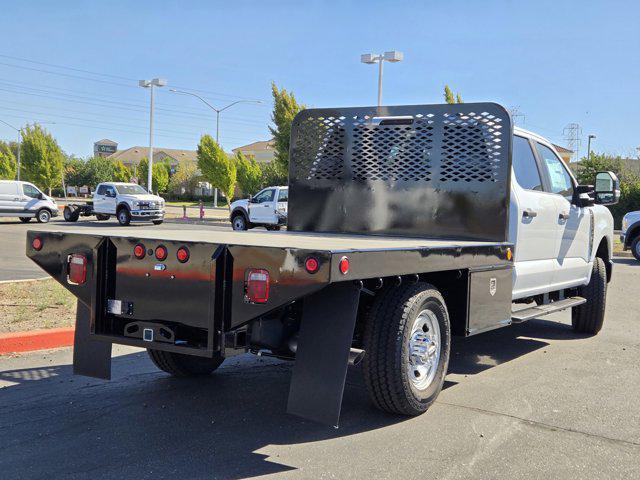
[(322, 357), (91, 357)]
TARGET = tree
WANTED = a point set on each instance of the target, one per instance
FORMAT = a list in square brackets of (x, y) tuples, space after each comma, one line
[(42, 158), (598, 162), (285, 108), (74, 172), (449, 97), (249, 174), (120, 172), (97, 170), (271, 175), (216, 167), (186, 178), (8, 164), (159, 175)]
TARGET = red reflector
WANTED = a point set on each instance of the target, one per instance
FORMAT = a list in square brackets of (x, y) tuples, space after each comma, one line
[(344, 265), (37, 243), (257, 286), (139, 251), (311, 264), (182, 254), (161, 252), (77, 269)]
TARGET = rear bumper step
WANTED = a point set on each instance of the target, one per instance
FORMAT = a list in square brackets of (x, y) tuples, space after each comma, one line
[(542, 310)]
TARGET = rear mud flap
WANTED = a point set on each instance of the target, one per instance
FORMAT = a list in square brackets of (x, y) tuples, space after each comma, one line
[(322, 357), (91, 357)]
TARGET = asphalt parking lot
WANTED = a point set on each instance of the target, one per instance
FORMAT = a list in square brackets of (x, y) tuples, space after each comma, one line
[(14, 265), (528, 401)]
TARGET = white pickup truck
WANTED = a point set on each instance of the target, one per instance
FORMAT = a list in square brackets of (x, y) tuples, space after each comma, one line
[(126, 201), (267, 208)]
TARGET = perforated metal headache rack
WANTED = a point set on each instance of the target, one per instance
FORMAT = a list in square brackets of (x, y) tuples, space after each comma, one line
[(431, 171)]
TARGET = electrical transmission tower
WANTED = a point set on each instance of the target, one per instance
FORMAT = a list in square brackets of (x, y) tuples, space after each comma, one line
[(572, 134), (517, 116)]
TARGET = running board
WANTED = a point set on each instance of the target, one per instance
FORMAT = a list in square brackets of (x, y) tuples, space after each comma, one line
[(541, 310)]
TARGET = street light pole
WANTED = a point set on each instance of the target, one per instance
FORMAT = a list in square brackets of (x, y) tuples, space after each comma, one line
[(156, 82), (589, 146), (218, 111), (370, 58)]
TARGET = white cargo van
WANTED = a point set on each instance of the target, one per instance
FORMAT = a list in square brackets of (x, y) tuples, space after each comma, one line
[(25, 201)]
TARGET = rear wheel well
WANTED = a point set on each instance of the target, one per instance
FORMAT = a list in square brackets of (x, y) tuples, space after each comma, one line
[(632, 233), (603, 253)]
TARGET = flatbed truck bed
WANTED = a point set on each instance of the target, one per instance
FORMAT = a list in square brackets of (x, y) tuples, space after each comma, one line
[(397, 239)]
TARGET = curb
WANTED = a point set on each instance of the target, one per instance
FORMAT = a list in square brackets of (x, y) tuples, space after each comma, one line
[(36, 340)]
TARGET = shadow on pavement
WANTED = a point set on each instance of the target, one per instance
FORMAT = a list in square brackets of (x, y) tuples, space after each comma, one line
[(146, 424)]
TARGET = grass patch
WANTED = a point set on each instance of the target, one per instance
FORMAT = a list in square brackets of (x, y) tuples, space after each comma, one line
[(35, 305)]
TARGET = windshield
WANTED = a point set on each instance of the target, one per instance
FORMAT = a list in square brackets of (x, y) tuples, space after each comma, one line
[(131, 189)]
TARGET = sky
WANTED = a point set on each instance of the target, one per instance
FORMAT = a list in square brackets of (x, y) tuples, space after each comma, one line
[(77, 64)]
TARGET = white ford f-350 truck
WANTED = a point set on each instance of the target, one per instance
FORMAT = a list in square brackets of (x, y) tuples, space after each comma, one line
[(126, 201), (267, 208), (406, 225)]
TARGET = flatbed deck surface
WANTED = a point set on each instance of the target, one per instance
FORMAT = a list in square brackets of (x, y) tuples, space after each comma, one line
[(284, 239)]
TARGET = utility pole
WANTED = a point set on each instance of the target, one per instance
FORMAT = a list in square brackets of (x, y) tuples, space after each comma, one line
[(156, 82), (371, 58), (589, 145)]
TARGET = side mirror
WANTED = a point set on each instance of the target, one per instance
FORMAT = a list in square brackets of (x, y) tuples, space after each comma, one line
[(607, 191), (40, 196)]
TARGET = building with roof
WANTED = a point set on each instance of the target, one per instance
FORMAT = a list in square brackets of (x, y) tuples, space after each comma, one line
[(261, 152), (132, 156), (565, 153), (104, 148)]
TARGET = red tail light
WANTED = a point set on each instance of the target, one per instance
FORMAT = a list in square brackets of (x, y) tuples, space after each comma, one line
[(77, 269), (161, 253), (311, 264), (257, 286), (182, 254), (36, 243), (139, 251), (344, 265)]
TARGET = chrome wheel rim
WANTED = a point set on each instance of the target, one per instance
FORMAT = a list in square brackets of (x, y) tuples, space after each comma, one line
[(238, 223), (638, 249), (122, 217), (44, 216), (424, 350)]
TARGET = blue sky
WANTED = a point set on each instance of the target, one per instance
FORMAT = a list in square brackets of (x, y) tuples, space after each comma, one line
[(558, 62)]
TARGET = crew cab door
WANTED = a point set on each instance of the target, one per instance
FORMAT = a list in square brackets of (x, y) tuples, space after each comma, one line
[(533, 223), (104, 200), (572, 252), (262, 207)]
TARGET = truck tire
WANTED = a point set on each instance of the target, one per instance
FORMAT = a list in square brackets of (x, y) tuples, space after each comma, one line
[(180, 365), (635, 247), (25, 219), (407, 340), (589, 317), (43, 215), (239, 222), (71, 214), (102, 217), (124, 216)]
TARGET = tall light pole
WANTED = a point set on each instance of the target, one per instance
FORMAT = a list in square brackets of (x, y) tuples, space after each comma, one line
[(589, 145), (218, 111), (19, 141), (156, 82), (370, 58)]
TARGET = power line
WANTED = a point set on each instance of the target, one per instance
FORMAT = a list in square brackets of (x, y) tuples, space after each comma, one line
[(65, 67), (572, 135)]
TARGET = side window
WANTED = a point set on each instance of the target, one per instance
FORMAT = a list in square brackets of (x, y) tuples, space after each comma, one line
[(559, 178), (101, 190), (525, 167), (265, 196), (30, 190), (283, 196)]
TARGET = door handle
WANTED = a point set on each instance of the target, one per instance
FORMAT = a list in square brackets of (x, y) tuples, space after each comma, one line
[(529, 213), (563, 216)]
